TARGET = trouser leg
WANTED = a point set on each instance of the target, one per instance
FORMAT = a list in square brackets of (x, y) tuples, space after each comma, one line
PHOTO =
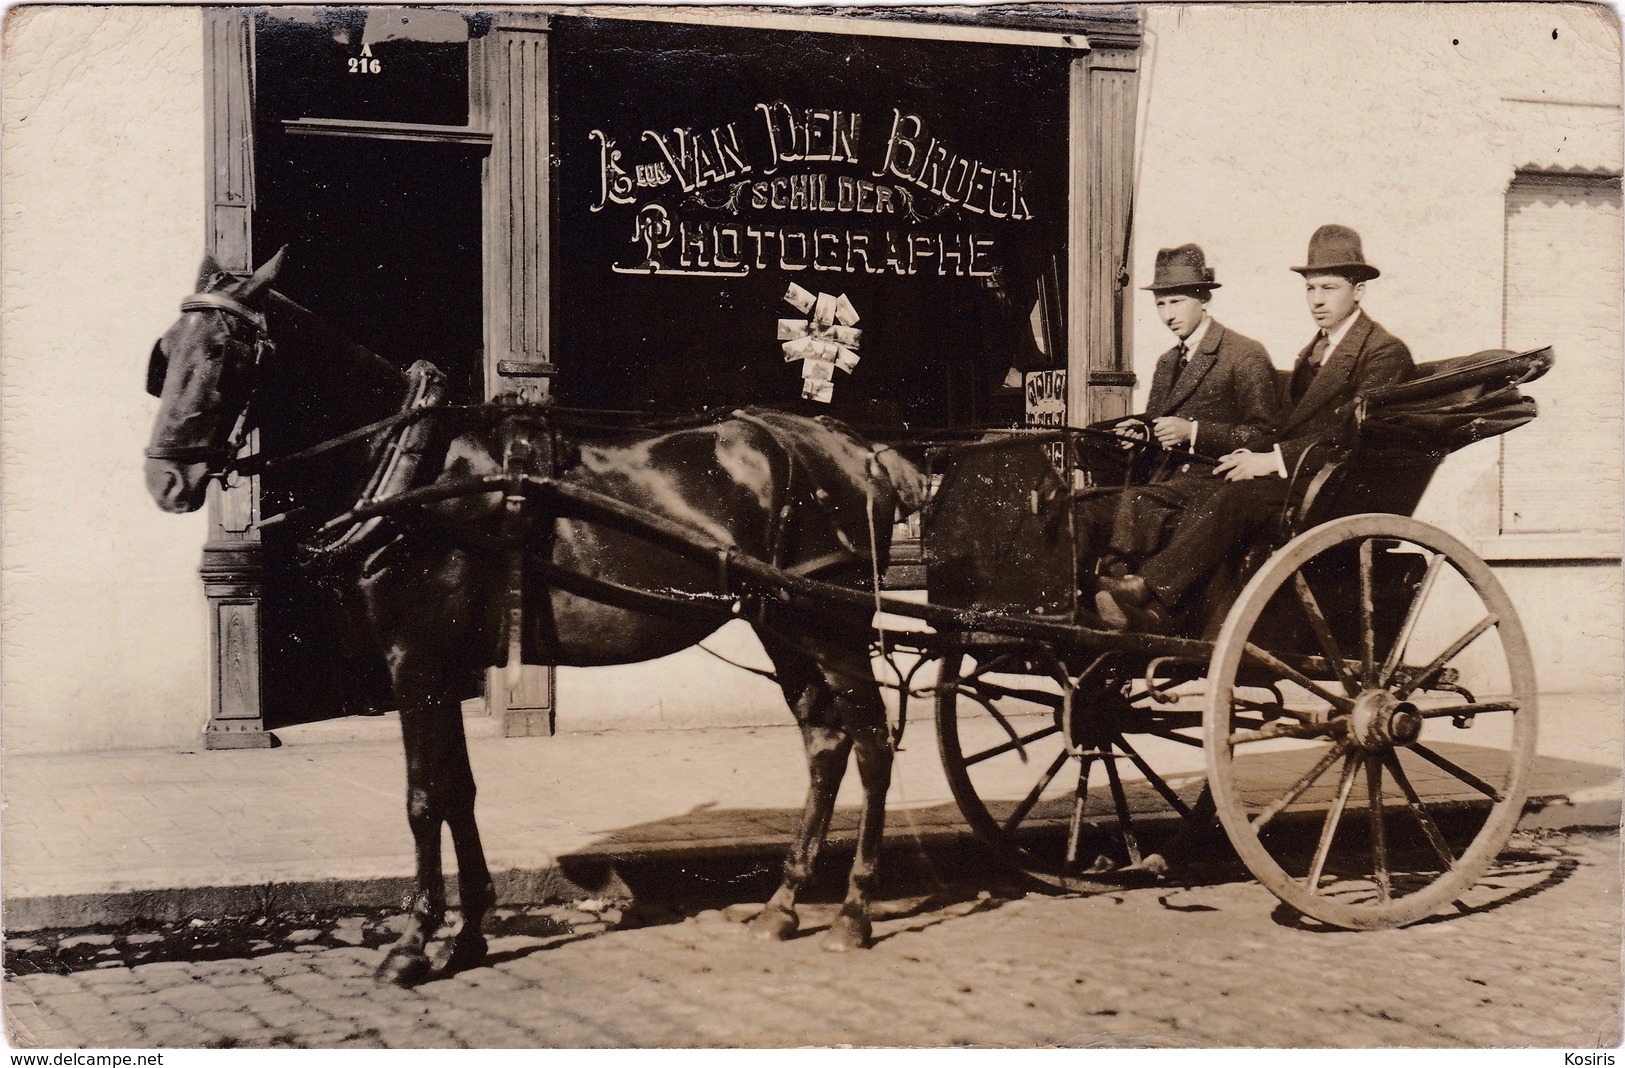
[(1219, 525)]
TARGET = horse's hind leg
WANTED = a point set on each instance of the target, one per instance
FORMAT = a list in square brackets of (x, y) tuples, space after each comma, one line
[(827, 747), (863, 715)]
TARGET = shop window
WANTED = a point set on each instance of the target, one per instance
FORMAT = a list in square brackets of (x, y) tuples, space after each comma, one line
[(1561, 474)]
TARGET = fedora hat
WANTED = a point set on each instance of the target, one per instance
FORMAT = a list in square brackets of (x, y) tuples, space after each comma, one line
[(1182, 268), (1335, 249)]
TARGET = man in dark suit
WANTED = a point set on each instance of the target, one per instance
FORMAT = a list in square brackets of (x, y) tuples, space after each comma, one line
[(1350, 355), (1214, 392)]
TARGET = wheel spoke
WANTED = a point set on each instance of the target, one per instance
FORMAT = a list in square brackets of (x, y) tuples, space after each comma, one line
[(1334, 816), (1014, 743), (1438, 663), (1080, 798), (1308, 779), (1157, 781), (1125, 822), (1368, 626), (1430, 830), (1338, 701), (1014, 819), (1458, 771), (1379, 833), (1173, 736), (1323, 633), (1397, 652)]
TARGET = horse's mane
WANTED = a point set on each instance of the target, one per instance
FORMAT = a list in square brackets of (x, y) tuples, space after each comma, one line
[(312, 332)]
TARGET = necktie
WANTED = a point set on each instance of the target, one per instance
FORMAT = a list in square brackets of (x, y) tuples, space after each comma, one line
[(1184, 359), (1317, 355)]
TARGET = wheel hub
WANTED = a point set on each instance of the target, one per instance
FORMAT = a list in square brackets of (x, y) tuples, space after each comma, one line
[(1381, 721)]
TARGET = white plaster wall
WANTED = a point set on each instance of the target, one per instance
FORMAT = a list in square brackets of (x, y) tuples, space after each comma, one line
[(101, 612), (1405, 121)]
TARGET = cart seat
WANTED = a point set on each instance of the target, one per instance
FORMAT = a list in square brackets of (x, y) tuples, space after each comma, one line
[(1395, 437)]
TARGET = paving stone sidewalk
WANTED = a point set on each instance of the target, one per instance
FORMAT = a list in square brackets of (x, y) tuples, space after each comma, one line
[(103, 838)]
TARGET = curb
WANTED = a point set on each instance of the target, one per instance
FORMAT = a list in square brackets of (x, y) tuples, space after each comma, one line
[(1581, 811), (551, 880)]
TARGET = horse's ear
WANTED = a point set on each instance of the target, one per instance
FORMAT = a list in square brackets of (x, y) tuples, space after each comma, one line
[(262, 278), (208, 272)]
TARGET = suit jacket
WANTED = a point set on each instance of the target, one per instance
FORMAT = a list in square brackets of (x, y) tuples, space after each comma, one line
[(1228, 388), (1367, 357)]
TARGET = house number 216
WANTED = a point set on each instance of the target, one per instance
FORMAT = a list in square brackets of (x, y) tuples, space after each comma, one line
[(364, 66)]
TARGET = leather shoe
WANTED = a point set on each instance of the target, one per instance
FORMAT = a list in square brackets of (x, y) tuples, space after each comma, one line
[(1129, 588), (1131, 606)]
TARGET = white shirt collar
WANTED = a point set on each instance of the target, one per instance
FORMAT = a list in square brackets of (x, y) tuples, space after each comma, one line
[(1194, 342), (1334, 337)]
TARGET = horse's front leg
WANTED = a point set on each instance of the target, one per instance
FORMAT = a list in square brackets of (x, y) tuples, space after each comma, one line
[(475, 891), (421, 610), (427, 794)]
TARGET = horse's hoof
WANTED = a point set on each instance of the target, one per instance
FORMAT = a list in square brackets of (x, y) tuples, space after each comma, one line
[(774, 924), (849, 931), (467, 952), (1103, 865), (404, 967), (1155, 865)]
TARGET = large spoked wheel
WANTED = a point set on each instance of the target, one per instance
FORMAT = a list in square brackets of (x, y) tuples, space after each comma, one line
[(1370, 721), (1059, 794)]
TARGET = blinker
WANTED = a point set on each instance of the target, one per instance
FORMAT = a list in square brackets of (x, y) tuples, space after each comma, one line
[(157, 369)]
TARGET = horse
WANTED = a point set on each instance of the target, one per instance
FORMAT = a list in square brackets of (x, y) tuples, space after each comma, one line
[(493, 576)]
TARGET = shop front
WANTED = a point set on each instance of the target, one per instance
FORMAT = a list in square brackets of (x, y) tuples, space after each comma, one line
[(905, 223)]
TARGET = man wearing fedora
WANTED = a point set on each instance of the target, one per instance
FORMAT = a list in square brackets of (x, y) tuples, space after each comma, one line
[(1349, 355), (1214, 392)]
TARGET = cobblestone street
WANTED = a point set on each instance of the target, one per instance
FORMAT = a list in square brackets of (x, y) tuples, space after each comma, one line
[(1534, 961)]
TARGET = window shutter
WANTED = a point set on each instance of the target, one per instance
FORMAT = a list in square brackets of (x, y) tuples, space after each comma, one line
[(1561, 473)]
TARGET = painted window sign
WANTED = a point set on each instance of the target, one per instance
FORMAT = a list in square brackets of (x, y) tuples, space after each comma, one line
[(707, 175), (901, 181)]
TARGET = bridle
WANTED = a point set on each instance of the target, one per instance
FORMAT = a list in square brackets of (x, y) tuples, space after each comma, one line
[(222, 459)]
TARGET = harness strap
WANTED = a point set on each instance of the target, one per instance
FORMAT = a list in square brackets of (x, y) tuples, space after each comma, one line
[(514, 464), (255, 464), (228, 304)]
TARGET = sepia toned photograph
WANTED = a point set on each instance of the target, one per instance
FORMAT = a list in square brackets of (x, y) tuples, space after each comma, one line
[(640, 527)]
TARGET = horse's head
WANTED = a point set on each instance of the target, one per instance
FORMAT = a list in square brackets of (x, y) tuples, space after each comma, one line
[(202, 371)]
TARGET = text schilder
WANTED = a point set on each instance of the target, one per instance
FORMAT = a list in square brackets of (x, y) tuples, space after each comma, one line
[(701, 189)]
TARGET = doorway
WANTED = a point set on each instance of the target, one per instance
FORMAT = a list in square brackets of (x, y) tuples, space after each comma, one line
[(384, 239)]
